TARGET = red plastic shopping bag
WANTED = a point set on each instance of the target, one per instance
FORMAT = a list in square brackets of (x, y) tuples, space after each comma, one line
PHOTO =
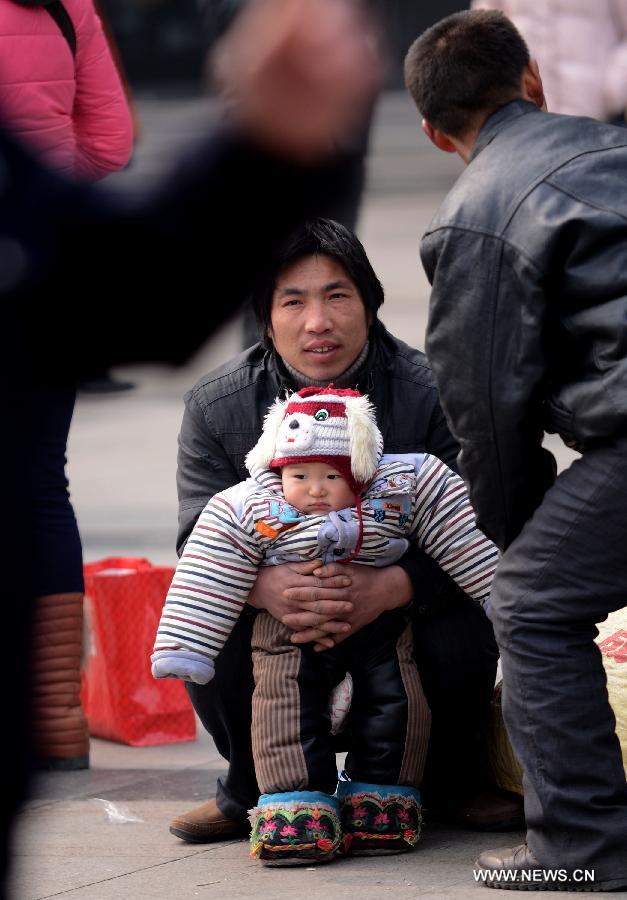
[(122, 700)]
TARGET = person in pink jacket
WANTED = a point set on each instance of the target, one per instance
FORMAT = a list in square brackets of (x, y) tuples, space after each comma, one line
[(67, 104), (61, 96)]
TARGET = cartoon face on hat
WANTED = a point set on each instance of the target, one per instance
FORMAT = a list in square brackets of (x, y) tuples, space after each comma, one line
[(321, 425), (296, 434)]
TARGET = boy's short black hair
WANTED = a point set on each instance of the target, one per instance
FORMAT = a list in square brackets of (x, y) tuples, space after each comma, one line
[(320, 237), (471, 62)]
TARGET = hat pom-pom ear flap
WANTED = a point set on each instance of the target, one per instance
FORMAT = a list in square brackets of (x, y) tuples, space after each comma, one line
[(366, 442), (264, 450)]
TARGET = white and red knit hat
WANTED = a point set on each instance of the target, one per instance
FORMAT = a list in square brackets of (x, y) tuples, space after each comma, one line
[(337, 427)]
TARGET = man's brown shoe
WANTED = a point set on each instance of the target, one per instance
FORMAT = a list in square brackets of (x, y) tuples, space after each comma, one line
[(206, 823), (517, 869)]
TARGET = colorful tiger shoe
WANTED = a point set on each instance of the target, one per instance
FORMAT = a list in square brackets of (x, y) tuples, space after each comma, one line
[(294, 828), (378, 819)]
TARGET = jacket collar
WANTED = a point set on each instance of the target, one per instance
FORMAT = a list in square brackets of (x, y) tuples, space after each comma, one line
[(500, 119)]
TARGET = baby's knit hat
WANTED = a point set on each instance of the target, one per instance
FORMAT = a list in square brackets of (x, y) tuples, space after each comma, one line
[(328, 425)]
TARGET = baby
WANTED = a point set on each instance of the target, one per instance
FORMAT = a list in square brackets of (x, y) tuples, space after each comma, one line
[(321, 489)]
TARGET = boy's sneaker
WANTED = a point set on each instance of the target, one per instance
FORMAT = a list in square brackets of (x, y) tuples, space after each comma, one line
[(378, 819), (295, 828)]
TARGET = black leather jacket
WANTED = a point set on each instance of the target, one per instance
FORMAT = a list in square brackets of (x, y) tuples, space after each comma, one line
[(224, 413), (528, 322)]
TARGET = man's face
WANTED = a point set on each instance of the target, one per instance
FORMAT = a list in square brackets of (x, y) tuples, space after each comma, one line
[(318, 321), (315, 488)]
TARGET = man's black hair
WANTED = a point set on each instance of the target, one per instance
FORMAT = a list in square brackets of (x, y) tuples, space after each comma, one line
[(320, 237), (471, 62)]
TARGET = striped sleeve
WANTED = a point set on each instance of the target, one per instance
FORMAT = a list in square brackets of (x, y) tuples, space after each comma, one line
[(444, 526), (211, 584)]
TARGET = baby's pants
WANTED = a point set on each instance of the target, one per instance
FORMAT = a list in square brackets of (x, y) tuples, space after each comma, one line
[(387, 728)]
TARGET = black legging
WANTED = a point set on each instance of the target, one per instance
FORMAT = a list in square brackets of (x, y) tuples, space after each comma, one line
[(57, 560)]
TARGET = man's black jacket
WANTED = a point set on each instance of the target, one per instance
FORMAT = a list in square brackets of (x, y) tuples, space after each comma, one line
[(224, 414), (528, 321)]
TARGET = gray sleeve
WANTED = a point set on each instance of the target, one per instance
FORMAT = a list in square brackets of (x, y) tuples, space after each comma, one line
[(203, 467)]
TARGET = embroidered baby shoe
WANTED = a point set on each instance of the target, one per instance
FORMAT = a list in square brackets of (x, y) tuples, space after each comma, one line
[(295, 827), (378, 819)]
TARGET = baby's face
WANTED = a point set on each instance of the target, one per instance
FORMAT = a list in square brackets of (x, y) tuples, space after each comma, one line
[(315, 488)]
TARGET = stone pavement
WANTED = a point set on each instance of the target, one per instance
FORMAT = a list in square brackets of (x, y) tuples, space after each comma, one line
[(102, 835), (122, 456)]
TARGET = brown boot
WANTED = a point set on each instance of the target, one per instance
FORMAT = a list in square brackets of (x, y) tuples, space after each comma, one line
[(60, 732), (206, 823)]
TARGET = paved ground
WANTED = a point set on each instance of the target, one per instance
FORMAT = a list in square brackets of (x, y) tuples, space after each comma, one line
[(121, 466), (102, 835)]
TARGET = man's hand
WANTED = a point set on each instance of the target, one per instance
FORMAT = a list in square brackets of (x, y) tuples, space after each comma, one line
[(371, 592), (299, 77), (294, 596)]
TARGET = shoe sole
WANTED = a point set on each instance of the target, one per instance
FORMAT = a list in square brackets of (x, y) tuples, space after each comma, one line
[(193, 838), (286, 863)]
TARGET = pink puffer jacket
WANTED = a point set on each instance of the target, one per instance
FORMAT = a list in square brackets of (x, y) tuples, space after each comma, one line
[(581, 48), (73, 111)]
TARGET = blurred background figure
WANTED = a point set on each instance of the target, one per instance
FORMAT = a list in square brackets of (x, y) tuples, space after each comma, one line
[(218, 16), (62, 96), (60, 91), (581, 48), (61, 243)]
